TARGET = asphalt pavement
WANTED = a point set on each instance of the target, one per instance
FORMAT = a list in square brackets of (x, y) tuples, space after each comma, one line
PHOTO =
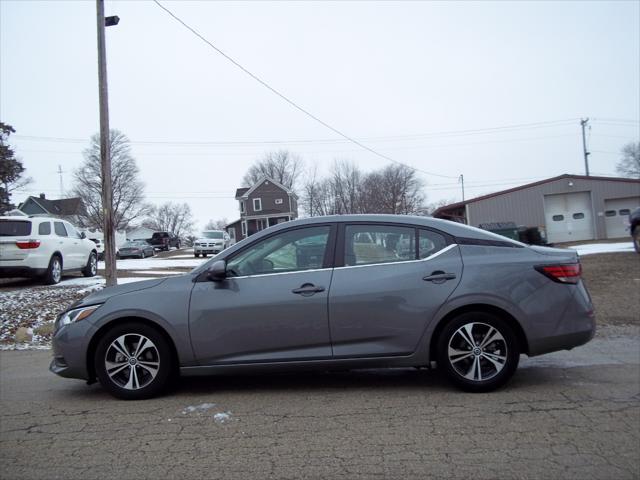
[(566, 415)]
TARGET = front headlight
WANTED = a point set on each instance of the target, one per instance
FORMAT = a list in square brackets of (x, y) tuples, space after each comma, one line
[(75, 315)]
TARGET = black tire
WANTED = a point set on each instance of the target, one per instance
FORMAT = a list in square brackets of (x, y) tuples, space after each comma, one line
[(147, 387), (178, 246), (204, 255), (54, 271), (477, 362), (636, 238), (142, 255), (197, 255), (91, 268)]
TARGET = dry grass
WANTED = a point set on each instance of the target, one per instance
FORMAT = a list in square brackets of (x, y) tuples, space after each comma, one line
[(613, 280)]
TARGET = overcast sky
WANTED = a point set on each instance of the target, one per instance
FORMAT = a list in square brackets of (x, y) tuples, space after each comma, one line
[(374, 70)]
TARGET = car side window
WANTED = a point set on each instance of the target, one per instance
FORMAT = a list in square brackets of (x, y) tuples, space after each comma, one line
[(44, 228), (59, 229), (73, 233), (290, 251), (370, 244), (430, 243)]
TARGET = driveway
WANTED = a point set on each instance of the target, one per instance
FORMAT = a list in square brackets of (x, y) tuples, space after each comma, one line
[(565, 415)]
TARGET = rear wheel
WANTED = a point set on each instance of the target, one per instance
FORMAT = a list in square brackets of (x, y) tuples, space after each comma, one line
[(478, 351), (142, 255), (92, 266), (133, 361), (197, 255), (636, 238), (54, 271)]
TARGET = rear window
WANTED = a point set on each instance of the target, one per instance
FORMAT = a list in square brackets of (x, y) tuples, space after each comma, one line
[(44, 228), (14, 228), (160, 235)]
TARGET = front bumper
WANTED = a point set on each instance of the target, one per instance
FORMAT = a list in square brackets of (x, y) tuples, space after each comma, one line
[(70, 347), (215, 249)]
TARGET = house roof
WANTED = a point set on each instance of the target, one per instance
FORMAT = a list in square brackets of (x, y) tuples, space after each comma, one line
[(241, 191), (233, 223), (454, 206), (245, 192), (63, 206)]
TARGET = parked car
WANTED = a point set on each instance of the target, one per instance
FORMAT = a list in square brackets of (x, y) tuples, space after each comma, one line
[(137, 249), (210, 241), (100, 248), (634, 228), (44, 247), (335, 292), (164, 241)]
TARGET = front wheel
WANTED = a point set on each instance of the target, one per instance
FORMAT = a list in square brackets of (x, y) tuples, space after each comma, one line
[(478, 351), (133, 361), (92, 266)]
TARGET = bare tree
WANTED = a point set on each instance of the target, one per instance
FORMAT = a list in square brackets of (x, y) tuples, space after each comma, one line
[(216, 224), (629, 164), (128, 189), (171, 217), (282, 166), (394, 189), (433, 206)]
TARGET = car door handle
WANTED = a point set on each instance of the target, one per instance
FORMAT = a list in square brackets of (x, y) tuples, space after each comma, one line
[(307, 289), (439, 277)]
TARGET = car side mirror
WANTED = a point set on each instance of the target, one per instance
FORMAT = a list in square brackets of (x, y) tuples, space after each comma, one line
[(83, 235), (218, 271)]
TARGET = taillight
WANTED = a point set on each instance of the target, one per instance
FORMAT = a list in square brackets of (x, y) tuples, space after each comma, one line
[(569, 273), (26, 244)]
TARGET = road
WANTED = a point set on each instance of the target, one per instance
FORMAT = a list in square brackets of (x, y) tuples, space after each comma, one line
[(567, 415)]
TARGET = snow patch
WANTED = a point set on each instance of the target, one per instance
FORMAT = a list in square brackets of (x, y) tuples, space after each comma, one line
[(198, 408), (593, 248), (155, 263), (222, 417)]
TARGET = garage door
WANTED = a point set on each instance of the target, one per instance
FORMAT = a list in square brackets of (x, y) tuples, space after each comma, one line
[(568, 217), (616, 215)]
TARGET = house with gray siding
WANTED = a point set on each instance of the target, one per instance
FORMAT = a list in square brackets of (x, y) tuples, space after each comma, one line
[(568, 207), (264, 204), (64, 208)]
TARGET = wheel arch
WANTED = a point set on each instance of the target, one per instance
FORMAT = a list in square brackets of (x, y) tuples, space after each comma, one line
[(93, 343), (521, 337)]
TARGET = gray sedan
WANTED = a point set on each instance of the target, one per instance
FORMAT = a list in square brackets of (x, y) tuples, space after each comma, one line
[(343, 292), (137, 249)]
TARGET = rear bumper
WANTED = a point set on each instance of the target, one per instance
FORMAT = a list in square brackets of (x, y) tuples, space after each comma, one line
[(9, 272)]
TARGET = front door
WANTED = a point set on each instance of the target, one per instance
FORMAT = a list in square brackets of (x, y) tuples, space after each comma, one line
[(388, 290), (273, 305)]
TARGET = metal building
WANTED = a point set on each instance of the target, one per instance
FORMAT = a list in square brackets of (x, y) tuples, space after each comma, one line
[(568, 207)]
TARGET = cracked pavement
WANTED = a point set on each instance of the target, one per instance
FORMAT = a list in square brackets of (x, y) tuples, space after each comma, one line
[(566, 415)]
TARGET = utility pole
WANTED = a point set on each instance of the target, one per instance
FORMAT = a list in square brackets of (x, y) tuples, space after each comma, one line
[(60, 172), (461, 180), (583, 123), (105, 154)]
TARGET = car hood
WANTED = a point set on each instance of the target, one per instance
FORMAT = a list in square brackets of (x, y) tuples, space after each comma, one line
[(220, 240), (105, 294)]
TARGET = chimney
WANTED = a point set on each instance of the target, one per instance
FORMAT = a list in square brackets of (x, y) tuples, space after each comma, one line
[(42, 196)]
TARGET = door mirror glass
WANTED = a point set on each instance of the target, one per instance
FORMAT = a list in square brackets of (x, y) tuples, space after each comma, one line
[(218, 271), (83, 235)]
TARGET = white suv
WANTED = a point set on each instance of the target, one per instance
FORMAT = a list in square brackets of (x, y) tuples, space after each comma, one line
[(44, 247), (210, 241)]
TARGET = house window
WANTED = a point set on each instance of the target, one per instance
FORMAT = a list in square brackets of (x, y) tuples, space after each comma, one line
[(243, 226), (558, 218), (578, 216), (257, 204), (624, 211), (241, 206), (261, 224), (278, 201), (610, 213)]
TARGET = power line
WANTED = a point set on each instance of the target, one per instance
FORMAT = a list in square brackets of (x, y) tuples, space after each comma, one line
[(417, 136), (291, 102)]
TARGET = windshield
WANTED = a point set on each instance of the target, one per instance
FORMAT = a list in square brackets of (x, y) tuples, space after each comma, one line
[(212, 234)]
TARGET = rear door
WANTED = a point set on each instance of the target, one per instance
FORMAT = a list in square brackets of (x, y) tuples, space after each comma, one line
[(64, 244), (391, 282)]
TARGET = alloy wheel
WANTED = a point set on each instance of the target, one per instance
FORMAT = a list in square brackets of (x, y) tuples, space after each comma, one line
[(132, 361), (56, 270), (477, 351)]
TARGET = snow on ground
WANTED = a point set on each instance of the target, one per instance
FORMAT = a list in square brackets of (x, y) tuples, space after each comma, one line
[(222, 417), (198, 408), (37, 308), (592, 248), (155, 263)]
